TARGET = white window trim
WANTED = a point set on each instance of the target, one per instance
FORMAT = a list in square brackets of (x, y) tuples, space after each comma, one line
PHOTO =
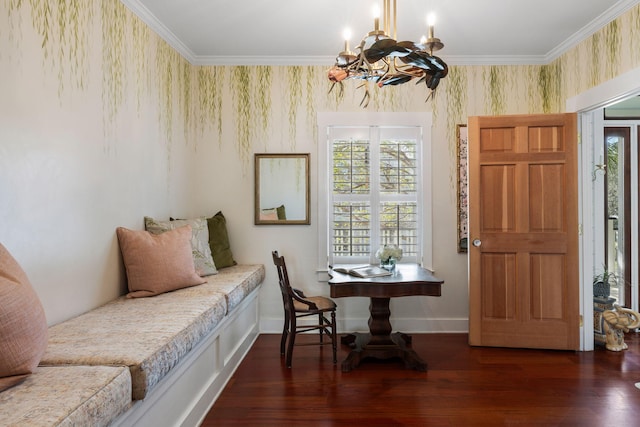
[(423, 120)]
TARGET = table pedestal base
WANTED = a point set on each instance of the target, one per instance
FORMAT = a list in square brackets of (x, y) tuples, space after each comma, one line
[(387, 347)]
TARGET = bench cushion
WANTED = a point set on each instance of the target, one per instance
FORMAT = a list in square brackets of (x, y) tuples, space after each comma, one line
[(149, 335), (67, 396), (236, 283)]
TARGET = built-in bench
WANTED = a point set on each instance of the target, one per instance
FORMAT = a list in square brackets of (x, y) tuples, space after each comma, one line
[(170, 355), (67, 396)]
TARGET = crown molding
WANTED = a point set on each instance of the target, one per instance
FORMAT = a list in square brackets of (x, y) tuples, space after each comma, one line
[(159, 28), (264, 60), (328, 61), (494, 59), (588, 30)]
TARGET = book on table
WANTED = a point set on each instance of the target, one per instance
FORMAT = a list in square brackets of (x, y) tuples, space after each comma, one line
[(363, 271)]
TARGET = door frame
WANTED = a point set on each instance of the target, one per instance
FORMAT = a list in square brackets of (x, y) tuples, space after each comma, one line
[(588, 105)]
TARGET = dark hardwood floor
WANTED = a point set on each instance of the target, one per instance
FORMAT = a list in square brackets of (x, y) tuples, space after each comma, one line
[(463, 386)]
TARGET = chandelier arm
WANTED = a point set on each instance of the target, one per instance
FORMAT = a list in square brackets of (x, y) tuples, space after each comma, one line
[(370, 71), (367, 96), (406, 70)]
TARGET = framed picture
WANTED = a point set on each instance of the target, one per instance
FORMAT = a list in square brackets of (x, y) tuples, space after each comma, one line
[(463, 195), (282, 189)]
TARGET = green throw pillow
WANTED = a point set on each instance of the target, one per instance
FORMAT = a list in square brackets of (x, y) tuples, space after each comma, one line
[(219, 241), (272, 213)]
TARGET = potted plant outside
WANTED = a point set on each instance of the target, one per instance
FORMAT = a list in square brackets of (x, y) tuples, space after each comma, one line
[(602, 283)]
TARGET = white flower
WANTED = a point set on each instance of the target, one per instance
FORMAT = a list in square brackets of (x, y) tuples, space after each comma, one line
[(389, 251)]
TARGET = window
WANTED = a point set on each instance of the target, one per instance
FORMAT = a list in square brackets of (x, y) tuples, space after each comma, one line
[(375, 188)]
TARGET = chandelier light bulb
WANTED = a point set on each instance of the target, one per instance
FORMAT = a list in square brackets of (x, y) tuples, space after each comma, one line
[(346, 34), (431, 20), (376, 18)]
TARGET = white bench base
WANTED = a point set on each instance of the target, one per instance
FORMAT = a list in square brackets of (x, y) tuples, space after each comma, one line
[(185, 395)]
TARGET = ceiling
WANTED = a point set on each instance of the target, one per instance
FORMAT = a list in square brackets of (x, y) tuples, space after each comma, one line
[(303, 32)]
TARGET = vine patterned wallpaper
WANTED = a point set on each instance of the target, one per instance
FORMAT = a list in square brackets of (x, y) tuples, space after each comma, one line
[(254, 101)]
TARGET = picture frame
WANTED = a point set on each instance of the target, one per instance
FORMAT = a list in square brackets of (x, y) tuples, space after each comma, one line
[(462, 187), (282, 189)]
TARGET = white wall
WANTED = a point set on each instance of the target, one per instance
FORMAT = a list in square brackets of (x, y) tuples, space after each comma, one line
[(104, 124), (299, 243), (69, 176), (101, 123)]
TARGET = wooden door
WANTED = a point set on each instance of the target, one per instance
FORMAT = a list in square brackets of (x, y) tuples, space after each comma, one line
[(523, 232)]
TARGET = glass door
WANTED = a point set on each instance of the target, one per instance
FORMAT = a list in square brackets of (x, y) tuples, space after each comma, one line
[(617, 214)]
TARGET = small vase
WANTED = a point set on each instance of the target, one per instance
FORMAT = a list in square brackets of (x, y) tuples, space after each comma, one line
[(388, 264)]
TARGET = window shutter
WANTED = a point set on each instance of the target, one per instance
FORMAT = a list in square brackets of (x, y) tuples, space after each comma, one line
[(375, 185)]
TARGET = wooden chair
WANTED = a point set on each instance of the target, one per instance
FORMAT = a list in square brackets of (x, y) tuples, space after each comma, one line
[(297, 305)]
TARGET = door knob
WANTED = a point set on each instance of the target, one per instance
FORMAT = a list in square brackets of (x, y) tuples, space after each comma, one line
[(477, 243)]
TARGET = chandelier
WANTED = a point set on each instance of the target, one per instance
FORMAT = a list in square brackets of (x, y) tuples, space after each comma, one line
[(384, 61)]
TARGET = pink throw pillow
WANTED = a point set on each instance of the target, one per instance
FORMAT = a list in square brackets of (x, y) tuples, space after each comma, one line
[(23, 325), (157, 263), (269, 214)]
